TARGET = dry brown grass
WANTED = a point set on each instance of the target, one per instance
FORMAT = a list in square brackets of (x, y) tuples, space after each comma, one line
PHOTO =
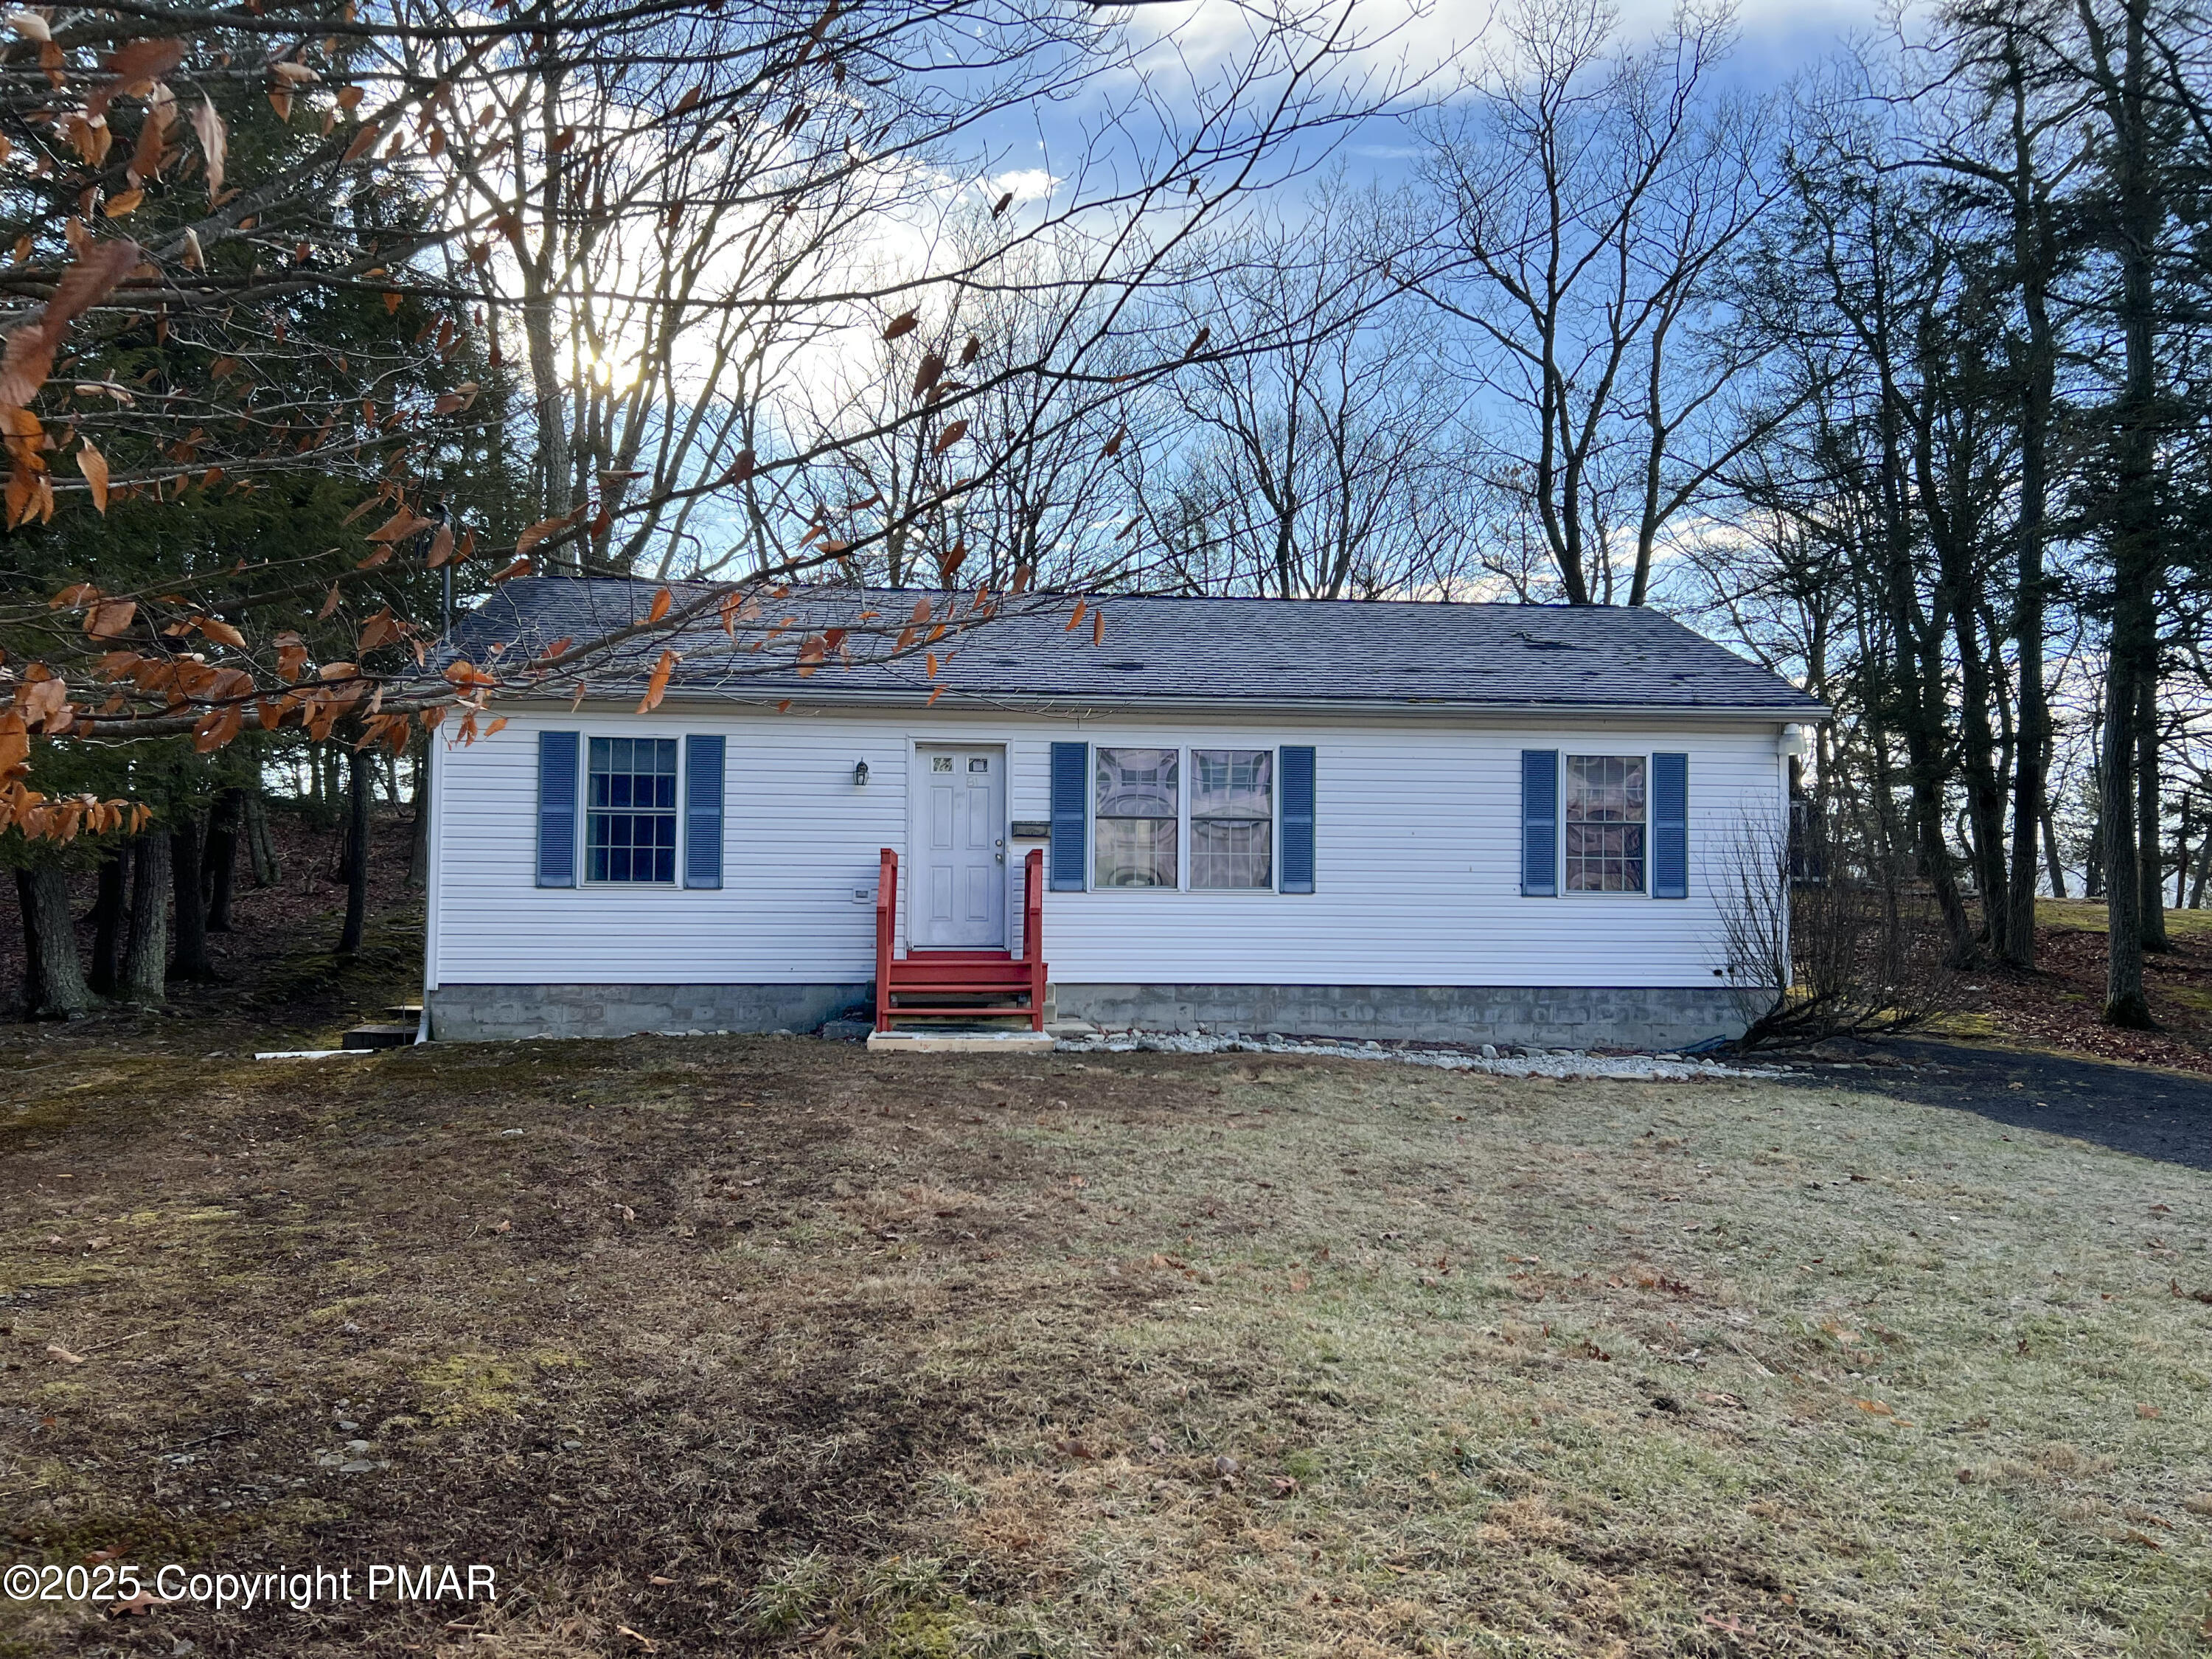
[(768, 1346)]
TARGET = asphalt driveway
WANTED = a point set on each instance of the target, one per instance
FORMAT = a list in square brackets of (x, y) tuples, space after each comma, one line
[(2130, 1108)]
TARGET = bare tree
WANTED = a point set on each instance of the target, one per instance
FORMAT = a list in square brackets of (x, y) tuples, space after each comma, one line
[(1320, 455), (1594, 193), (672, 211), (1813, 941)]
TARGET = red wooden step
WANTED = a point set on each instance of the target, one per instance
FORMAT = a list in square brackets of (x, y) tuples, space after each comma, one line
[(983, 1012), (961, 982)]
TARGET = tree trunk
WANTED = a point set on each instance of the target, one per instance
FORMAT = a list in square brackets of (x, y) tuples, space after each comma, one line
[(110, 916), (222, 857), (2181, 859), (186, 847), (54, 976), (2131, 651), (2146, 816), (356, 911), (2031, 757), (146, 948), (258, 841), (2124, 1002), (2056, 864)]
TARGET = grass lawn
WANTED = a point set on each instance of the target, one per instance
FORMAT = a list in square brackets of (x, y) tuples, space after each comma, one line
[(720, 1346), (2088, 914)]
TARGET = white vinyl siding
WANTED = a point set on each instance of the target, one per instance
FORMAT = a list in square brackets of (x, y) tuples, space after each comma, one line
[(1417, 828)]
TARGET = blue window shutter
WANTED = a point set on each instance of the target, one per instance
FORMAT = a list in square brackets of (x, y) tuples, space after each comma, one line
[(1071, 815), (702, 811), (1297, 821), (557, 809), (1539, 822), (1670, 826)]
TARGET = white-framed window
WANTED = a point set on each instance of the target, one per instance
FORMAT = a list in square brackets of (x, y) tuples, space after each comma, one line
[(1232, 818), (629, 811), (1136, 816), (1606, 818)]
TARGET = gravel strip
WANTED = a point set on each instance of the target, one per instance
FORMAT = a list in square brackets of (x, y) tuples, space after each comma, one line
[(1535, 1062)]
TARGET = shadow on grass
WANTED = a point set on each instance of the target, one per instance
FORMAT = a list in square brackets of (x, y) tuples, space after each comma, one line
[(2128, 1109)]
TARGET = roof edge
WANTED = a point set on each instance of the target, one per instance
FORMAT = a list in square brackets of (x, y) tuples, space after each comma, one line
[(1018, 703)]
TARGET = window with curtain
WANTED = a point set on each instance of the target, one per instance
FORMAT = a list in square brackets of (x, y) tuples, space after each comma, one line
[(1232, 817), (630, 814), (1605, 823), (1135, 807)]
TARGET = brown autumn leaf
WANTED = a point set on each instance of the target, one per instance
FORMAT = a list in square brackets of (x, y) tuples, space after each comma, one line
[(999, 206), (129, 201), (146, 154), (400, 526), (217, 629), (63, 1354), (380, 629), (1113, 444), (15, 743), (656, 687), (538, 531), (951, 436), (442, 546), (94, 465), (138, 1606), (691, 97), (519, 568), (1099, 628), (30, 353), (208, 127), (661, 601), (330, 604), (364, 141), (110, 618), (904, 323), (31, 27), (217, 727), (1075, 621), (931, 372), (135, 65)]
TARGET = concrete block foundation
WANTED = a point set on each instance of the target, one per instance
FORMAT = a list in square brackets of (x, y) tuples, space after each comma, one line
[(482, 1013), (1550, 1016)]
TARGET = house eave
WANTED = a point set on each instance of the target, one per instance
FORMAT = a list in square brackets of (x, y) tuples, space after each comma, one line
[(1067, 707)]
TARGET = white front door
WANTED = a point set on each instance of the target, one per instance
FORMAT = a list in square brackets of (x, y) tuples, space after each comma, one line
[(956, 892)]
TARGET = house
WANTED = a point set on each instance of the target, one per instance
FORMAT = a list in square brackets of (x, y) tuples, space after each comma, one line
[(1465, 822)]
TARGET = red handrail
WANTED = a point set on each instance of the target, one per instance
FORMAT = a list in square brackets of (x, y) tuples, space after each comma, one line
[(886, 920), (1033, 933)]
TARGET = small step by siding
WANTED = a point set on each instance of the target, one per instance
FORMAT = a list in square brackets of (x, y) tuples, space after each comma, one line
[(379, 1037)]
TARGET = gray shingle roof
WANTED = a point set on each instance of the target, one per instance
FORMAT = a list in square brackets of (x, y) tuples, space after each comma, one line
[(1154, 651)]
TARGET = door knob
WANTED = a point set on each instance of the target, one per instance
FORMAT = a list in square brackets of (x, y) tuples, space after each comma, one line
[(1000, 855)]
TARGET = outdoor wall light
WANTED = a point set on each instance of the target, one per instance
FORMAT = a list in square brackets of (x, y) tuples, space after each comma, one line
[(859, 774)]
